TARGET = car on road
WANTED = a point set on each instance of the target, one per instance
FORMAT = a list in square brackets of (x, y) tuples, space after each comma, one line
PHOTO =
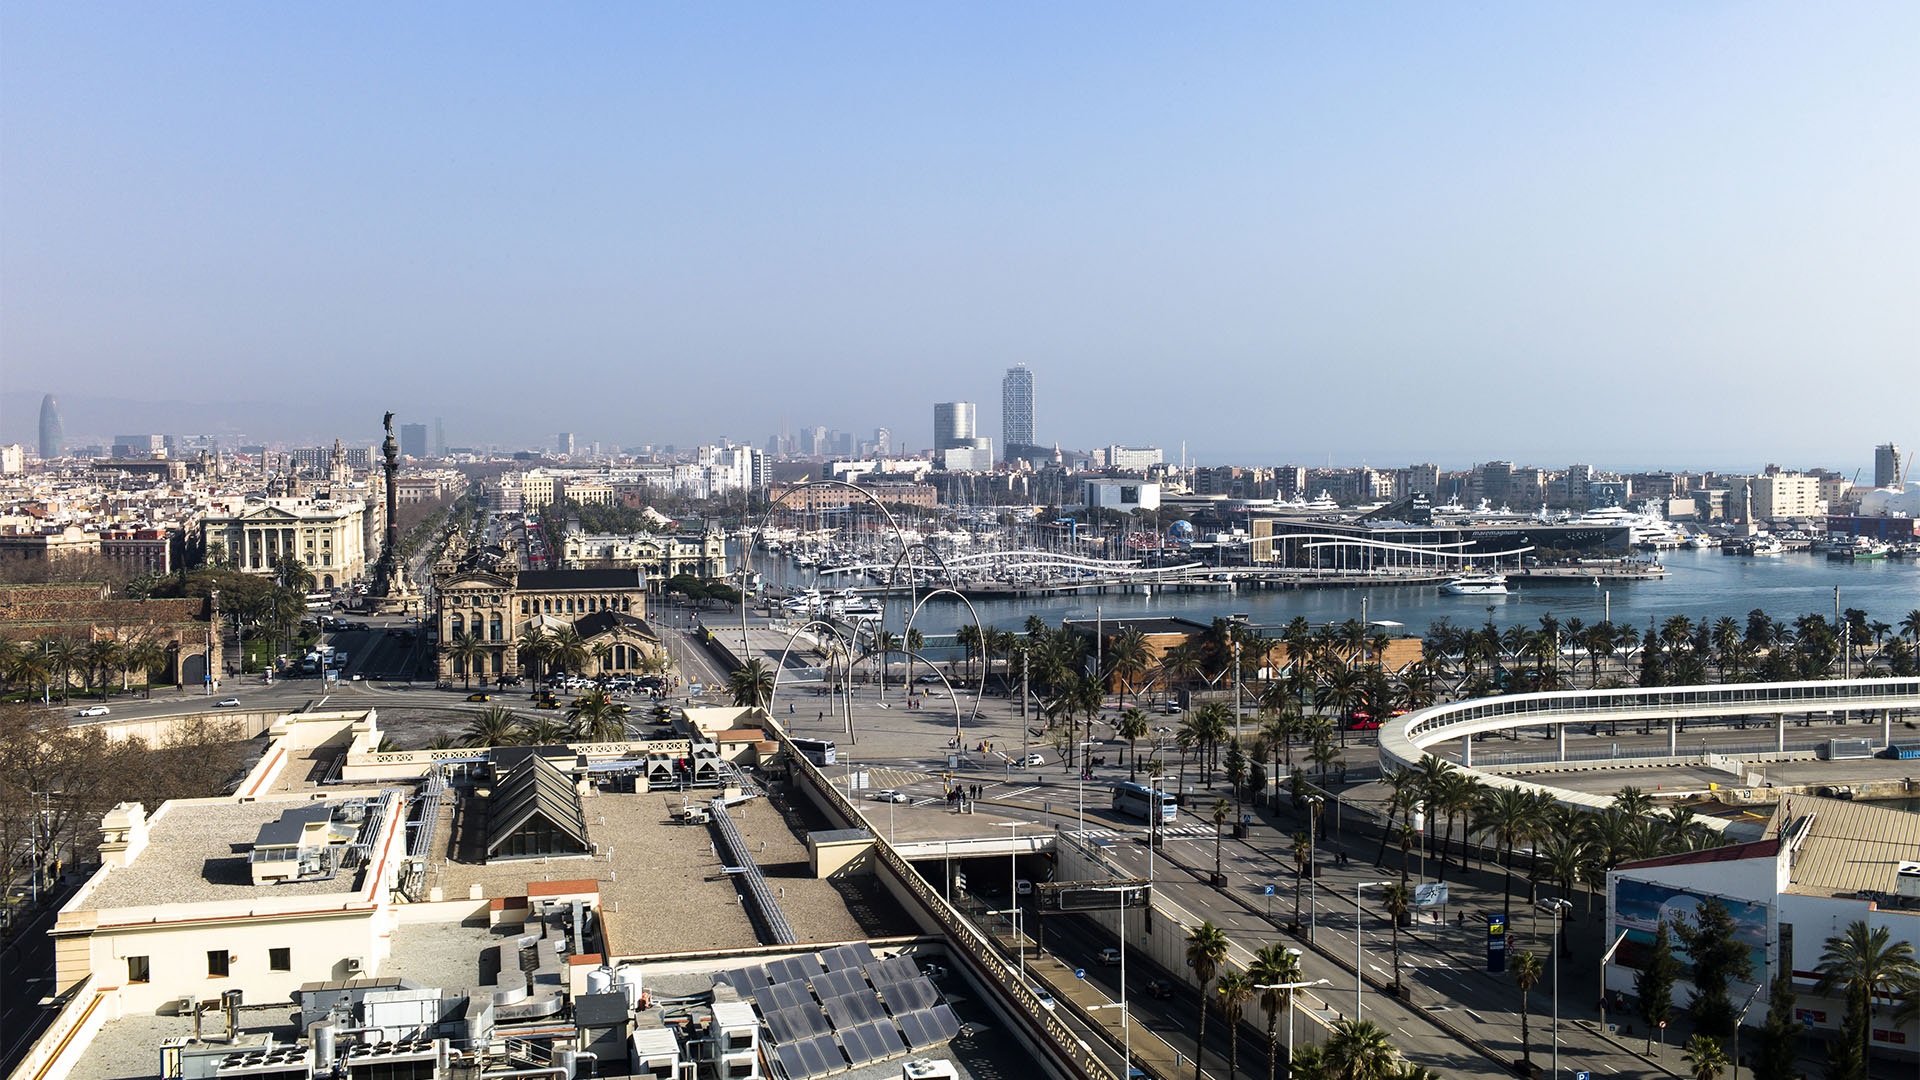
[(479, 697), (1109, 956), (546, 705), (934, 691), (890, 795), (1046, 999), (1023, 887), (1160, 988), (93, 710), (933, 971), (227, 703), (1170, 709), (1034, 761)]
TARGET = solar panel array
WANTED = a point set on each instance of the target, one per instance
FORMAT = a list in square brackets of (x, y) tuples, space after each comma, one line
[(843, 1008)]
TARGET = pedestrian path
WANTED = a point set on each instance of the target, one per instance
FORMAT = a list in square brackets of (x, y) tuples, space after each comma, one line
[(1170, 831), (894, 778)]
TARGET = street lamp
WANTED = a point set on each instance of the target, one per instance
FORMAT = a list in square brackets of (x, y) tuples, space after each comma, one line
[(1313, 864), (1290, 988), (1359, 957), (1737, 1021), (1013, 893), (1559, 906), (1083, 784), (1126, 1026)]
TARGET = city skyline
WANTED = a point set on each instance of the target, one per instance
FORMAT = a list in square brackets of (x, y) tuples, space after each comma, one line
[(1426, 234)]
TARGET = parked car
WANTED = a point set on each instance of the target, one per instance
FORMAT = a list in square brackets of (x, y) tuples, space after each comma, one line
[(93, 710), (227, 703)]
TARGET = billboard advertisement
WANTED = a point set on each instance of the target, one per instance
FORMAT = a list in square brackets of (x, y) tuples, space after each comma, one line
[(1640, 906)]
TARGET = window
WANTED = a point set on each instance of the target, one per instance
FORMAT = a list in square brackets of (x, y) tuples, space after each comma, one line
[(217, 963), (139, 970), (523, 607), (279, 959)]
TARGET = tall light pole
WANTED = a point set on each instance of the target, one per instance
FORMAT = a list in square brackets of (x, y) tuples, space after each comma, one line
[(1013, 894), (1738, 1020), (1359, 955), (1559, 906), (1313, 863), (1290, 988), (1083, 784)]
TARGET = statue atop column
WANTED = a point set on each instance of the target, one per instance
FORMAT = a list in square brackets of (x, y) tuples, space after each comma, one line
[(390, 573)]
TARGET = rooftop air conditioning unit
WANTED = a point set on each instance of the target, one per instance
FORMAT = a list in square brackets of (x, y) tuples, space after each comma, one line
[(1906, 881)]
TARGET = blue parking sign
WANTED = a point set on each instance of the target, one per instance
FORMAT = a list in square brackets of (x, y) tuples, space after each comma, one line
[(1269, 890)]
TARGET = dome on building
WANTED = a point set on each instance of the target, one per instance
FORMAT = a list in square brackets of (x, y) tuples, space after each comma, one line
[(1181, 531), (1892, 502)]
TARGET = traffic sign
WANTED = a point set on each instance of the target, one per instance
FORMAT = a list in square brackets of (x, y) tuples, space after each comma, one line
[(1582, 1076), (1079, 973), (1497, 944), (1663, 1025), (1269, 890)]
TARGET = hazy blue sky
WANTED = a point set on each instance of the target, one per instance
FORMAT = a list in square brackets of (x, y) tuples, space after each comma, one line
[(1621, 233)]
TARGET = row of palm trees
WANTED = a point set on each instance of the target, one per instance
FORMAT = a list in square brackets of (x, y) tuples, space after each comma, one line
[(1565, 846), (51, 662), (595, 718), (1354, 1049)]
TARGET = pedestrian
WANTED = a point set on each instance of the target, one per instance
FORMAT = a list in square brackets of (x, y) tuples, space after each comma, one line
[(822, 715), (789, 708)]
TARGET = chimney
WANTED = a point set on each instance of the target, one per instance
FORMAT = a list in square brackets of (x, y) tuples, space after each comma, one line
[(123, 834)]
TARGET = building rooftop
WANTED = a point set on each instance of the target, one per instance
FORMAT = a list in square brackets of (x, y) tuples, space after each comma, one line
[(197, 853), (565, 580), (1848, 848)]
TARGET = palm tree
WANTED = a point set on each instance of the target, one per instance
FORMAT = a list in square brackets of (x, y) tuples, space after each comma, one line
[(1214, 721), (1526, 976), (1867, 964), (1302, 850), (752, 684), (1401, 784), (541, 730), (293, 574), (595, 718), (1128, 657), (1398, 900), (1274, 966), (466, 651), (1704, 1057), (493, 727), (1359, 1050), (1235, 989), (535, 649), (1132, 727), (1221, 810), (1510, 814), (568, 651), (103, 656), (1206, 951), (146, 656)]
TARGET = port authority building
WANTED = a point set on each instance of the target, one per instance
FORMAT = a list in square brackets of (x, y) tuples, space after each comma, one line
[(1820, 866), (1367, 545)]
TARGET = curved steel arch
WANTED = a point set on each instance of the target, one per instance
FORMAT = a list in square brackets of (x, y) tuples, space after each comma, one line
[(978, 627)]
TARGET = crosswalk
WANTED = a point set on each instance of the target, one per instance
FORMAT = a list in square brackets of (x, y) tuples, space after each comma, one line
[(1168, 831), (894, 778)]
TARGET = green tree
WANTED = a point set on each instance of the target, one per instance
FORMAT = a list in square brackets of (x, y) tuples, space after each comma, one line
[(751, 684), (1718, 960), (1222, 809), (1234, 988), (1706, 1059), (1867, 964), (1653, 984), (494, 726), (1398, 900), (1206, 951), (1774, 1059), (1526, 975), (1359, 1050), (1274, 966), (465, 651), (596, 718), (1302, 850), (1132, 726)]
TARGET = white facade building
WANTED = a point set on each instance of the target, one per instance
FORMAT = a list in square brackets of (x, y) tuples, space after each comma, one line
[(1125, 496)]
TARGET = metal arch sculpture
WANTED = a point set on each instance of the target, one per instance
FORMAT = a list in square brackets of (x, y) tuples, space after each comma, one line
[(980, 629), (839, 639)]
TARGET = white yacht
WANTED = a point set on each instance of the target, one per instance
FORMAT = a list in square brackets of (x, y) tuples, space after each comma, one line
[(1476, 585)]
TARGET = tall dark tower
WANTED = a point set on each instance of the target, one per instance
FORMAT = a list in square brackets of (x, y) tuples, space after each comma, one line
[(53, 434), (387, 579)]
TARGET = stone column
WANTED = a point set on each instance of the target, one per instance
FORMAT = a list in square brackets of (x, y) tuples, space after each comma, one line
[(1886, 727), (1560, 730), (1673, 736), (1780, 733), (1466, 752)]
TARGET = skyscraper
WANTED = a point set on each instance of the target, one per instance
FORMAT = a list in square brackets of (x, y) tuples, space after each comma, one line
[(413, 440), (953, 425), (563, 444), (53, 435), (1886, 461), (439, 438), (1016, 408)]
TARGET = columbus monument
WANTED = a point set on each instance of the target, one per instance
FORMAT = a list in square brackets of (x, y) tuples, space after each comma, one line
[(392, 593)]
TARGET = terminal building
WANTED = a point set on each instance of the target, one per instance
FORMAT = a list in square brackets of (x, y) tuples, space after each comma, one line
[(1821, 866)]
